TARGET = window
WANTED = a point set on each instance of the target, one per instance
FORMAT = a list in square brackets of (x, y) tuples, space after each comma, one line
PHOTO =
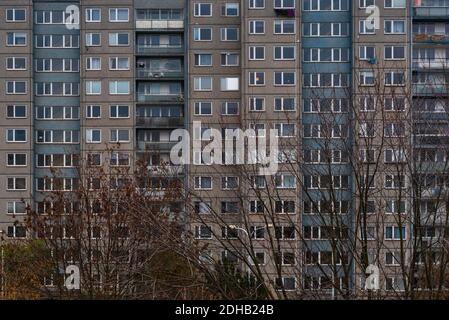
[(16, 232), (16, 39), (256, 104), (16, 87), (16, 111), (256, 27), (366, 78), (202, 83), (120, 159), (119, 63), (93, 135), (285, 232), (203, 10), (204, 183), (93, 112), (257, 78), (395, 104), (229, 34), (284, 104), (118, 15), (202, 34), (256, 53), (93, 63), (395, 233), (395, 155), (284, 4), (118, 39), (94, 159), (16, 207), (365, 28), (229, 84), (366, 3), (256, 206), (229, 59), (203, 108), (57, 136), (284, 53), (16, 159), (15, 15), (285, 181), (230, 10), (203, 232), (284, 78), (394, 26), (367, 129), (16, 135), (394, 181), (395, 206), (93, 39), (119, 135), (284, 207), (394, 283), (203, 60), (93, 15), (285, 129), (93, 87), (51, 17), (394, 53), (57, 112), (285, 283), (118, 111), (367, 53), (57, 65), (57, 41), (395, 78), (395, 3), (16, 63), (16, 183), (118, 87), (230, 108), (229, 183), (257, 232), (256, 4), (57, 88), (284, 27)]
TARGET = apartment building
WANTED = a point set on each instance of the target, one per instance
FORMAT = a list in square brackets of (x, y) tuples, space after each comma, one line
[(358, 105)]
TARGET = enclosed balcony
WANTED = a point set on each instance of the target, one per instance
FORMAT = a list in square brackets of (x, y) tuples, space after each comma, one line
[(160, 19), (166, 68), (168, 116), (160, 44), (433, 64), (160, 92), (431, 10), (154, 140)]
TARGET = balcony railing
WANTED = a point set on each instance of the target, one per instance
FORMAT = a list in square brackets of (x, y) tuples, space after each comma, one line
[(160, 74), (159, 24), (155, 146), (431, 38), (431, 12), (431, 64), (162, 49), (162, 122), (430, 89), (143, 97), (166, 170)]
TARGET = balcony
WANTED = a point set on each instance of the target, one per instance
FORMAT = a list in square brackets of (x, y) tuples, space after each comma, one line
[(160, 24), (160, 98), (161, 49), (158, 74), (423, 89), (431, 38), (151, 146), (171, 170), (431, 13), (160, 122), (431, 64)]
